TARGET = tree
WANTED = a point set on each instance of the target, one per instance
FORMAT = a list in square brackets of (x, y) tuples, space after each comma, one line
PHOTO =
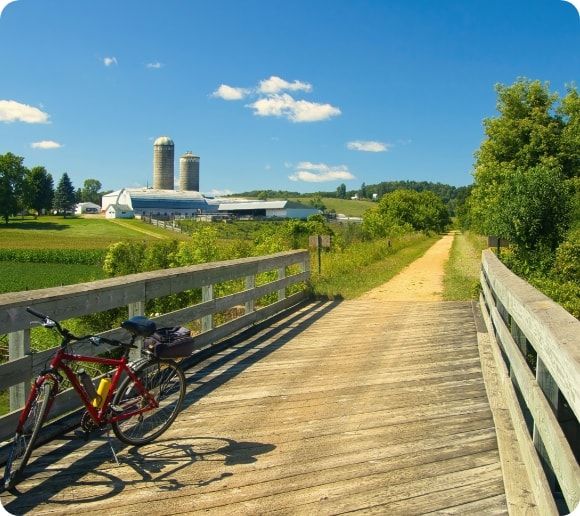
[(90, 191), (535, 210), (403, 211), (341, 191), (363, 191), (12, 184), (263, 196), (528, 133), (39, 190), (64, 197)]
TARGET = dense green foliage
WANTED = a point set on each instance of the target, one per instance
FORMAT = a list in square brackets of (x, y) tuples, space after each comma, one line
[(403, 211), (39, 190), (527, 186), (23, 190), (12, 185)]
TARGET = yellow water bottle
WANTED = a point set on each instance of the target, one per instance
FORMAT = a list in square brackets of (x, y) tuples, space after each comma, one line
[(102, 391)]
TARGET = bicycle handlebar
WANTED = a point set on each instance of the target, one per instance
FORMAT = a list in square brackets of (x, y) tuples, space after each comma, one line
[(68, 336)]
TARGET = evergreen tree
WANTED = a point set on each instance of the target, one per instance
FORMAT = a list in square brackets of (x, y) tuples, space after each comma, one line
[(64, 197)]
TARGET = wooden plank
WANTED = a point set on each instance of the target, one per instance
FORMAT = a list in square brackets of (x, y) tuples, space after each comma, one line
[(541, 489), (553, 332), (518, 489), (296, 418), (559, 451)]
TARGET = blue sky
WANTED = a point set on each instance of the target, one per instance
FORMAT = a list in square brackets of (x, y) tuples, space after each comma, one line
[(300, 95)]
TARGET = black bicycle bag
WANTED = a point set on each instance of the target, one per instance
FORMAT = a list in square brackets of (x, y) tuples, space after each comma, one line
[(174, 342)]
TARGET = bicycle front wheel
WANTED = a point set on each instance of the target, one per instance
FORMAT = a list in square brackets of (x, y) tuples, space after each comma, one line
[(26, 434), (165, 381)]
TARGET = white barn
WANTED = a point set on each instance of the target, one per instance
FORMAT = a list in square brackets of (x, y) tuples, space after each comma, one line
[(165, 203)]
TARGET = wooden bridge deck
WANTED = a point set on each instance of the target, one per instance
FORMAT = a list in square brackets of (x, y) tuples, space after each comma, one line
[(342, 406)]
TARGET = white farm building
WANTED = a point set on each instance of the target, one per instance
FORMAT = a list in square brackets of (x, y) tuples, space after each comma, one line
[(162, 203), (168, 204), (268, 209)]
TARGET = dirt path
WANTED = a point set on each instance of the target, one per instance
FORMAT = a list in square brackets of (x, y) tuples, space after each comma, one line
[(422, 280)]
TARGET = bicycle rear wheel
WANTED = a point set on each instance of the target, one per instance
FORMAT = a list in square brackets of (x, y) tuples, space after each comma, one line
[(165, 380), (27, 433)]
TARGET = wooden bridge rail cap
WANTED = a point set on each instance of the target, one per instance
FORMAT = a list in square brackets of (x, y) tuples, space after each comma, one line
[(553, 332), (62, 303)]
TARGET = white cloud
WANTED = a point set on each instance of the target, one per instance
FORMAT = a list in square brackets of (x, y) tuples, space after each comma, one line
[(320, 173), (12, 111), (154, 66), (3, 4), (295, 110), (276, 84), (369, 146), (109, 61), (230, 93), (46, 144)]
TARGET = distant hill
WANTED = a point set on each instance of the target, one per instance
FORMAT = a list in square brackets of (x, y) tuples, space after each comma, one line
[(451, 195)]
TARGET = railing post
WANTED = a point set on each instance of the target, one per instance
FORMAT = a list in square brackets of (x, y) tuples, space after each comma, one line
[(18, 346), (550, 389), (137, 308), (207, 320), (282, 291), (250, 285)]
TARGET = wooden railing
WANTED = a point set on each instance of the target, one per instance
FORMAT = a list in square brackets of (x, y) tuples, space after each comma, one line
[(538, 353), (133, 291)]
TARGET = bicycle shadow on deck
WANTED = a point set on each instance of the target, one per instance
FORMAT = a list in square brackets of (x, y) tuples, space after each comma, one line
[(261, 338), (161, 460)]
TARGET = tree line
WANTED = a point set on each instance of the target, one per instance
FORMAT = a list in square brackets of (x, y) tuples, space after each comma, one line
[(25, 190)]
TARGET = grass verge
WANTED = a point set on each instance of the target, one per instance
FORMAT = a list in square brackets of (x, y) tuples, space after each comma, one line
[(365, 265), (461, 281)]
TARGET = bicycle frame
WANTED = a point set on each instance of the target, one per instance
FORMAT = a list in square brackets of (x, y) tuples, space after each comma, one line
[(98, 415)]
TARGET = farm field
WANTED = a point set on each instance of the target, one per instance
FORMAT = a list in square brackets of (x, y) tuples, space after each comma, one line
[(347, 207), (76, 233), (18, 276)]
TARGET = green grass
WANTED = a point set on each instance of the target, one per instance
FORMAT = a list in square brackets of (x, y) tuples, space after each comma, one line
[(461, 280), (75, 233), (345, 206), (365, 265), (19, 276)]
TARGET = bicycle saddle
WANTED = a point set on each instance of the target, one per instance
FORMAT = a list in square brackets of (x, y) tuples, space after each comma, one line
[(140, 326)]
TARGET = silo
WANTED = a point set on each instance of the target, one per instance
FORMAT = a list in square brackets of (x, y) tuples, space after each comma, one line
[(189, 172), (163, 159)]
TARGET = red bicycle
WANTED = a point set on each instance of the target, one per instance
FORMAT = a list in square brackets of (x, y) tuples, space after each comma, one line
[(140, 400)]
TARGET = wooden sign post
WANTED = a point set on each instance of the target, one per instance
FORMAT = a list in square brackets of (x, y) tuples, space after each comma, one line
[(318, 242)]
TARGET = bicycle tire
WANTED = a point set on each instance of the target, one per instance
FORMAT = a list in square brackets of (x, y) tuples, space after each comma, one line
[(166, 381), (25, 437)]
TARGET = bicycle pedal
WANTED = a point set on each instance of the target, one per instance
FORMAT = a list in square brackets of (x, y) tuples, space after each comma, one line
[(117, 409)]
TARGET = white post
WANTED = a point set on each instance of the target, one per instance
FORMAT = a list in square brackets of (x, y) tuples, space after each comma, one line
[(282, 291), (250, 285), (207, 295), (137, 308), (18, 346)]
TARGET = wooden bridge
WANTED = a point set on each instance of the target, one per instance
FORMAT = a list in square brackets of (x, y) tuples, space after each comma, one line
[(331, 407)]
